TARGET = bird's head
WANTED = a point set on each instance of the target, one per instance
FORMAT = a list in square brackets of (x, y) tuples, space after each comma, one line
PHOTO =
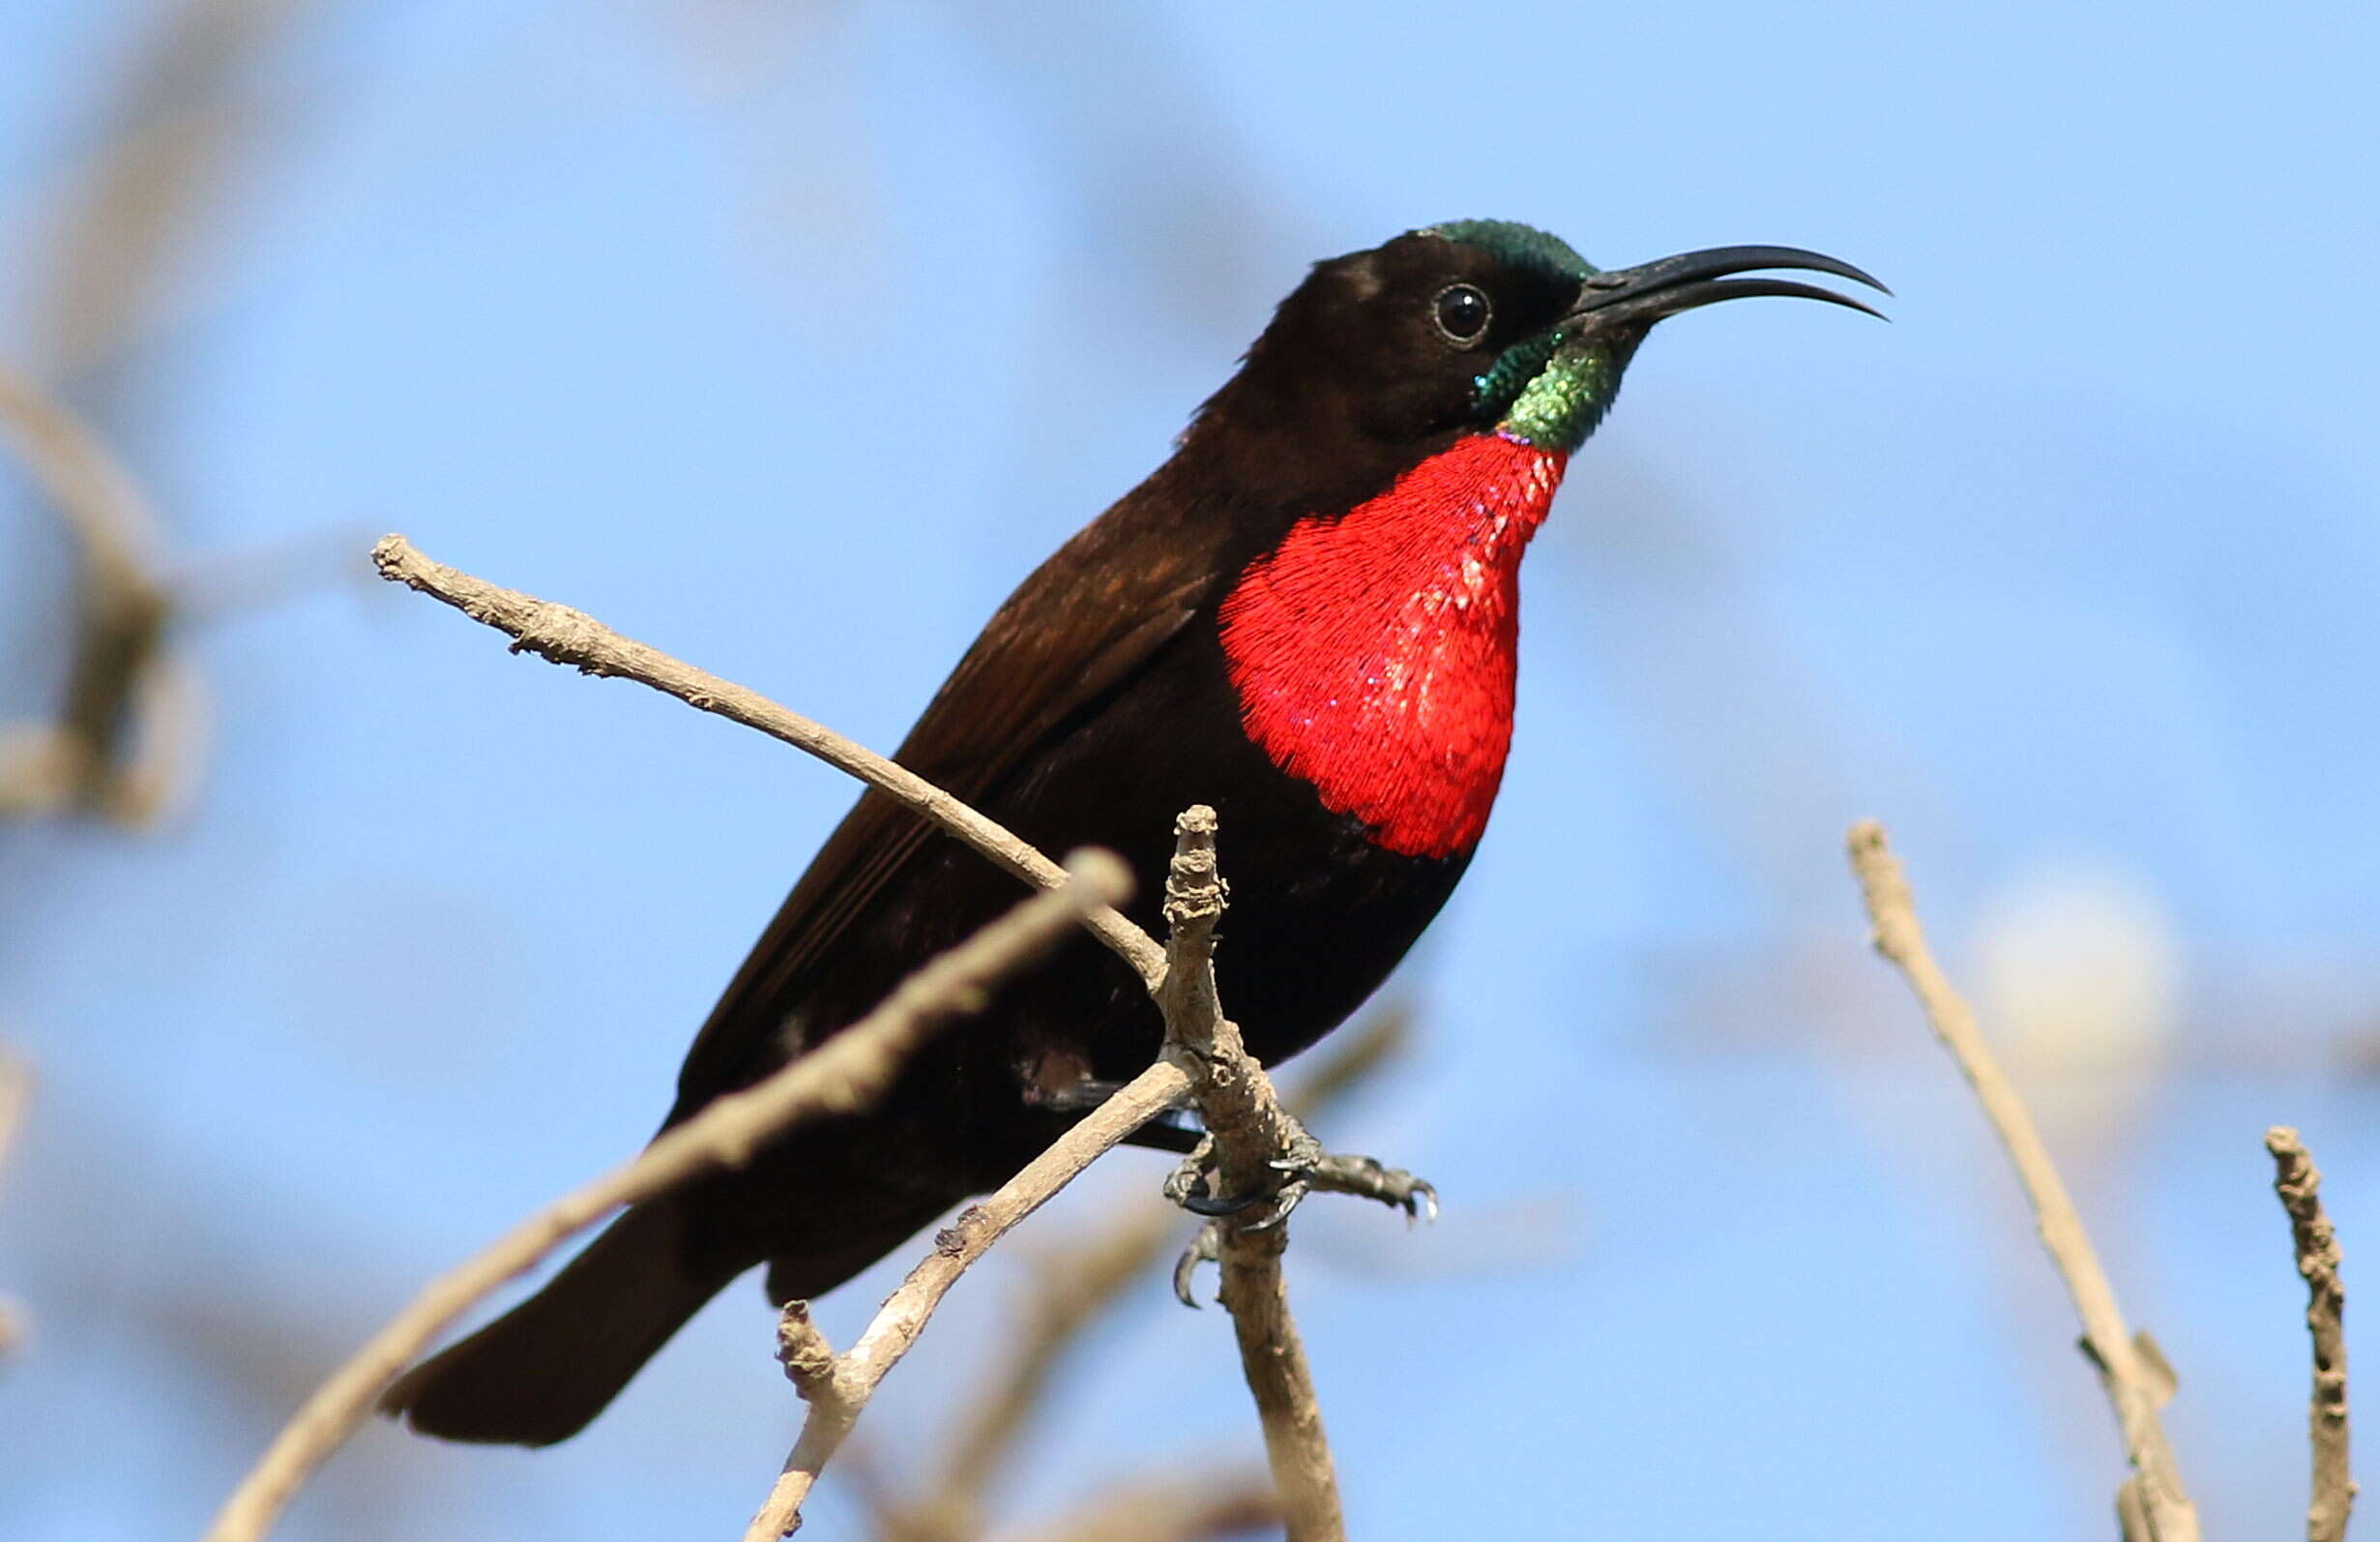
[(1484, 325)]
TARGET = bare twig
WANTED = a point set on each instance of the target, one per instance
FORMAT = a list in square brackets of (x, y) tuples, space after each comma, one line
[(847, 1072), (1235, 1097), (803, 1350), (2151, 1502), (105, 754), (904, 1315), (2300, 1187), (1251, 1131), (1273, 1359), (568, 637)]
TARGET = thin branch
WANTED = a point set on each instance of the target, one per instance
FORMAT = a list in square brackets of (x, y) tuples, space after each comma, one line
[(1251, 1131), (568, 637), (1273, 1360), (1236, 1098), (2153, 1502), (847, 1072), (904, 1315), (2298, 1184)]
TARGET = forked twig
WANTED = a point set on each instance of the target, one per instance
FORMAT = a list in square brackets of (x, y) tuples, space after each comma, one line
[(2151, 1502), (1068, 1292), (839, 1389), (1251, 1131)]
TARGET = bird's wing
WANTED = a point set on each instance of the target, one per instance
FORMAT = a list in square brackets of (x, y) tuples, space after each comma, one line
[(1083, 624)]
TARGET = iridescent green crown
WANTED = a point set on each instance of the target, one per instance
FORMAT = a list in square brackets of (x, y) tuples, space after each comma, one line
[(1524, 245)]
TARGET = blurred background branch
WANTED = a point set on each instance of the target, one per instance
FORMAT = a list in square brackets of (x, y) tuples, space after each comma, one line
[(124, 739), (173, 143), (16, 1100)]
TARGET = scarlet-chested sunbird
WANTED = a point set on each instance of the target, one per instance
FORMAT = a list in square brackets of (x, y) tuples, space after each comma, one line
[(1307, 618)]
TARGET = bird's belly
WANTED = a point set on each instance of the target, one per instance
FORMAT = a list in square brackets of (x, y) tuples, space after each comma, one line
[(1320, 911)]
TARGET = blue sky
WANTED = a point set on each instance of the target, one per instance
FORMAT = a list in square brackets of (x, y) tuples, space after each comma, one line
[(788, 338)]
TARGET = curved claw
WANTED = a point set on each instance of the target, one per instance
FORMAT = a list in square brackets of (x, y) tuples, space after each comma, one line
[(1207, 1247), (1287, 1199), (1217, 1204), (1422, 1204)]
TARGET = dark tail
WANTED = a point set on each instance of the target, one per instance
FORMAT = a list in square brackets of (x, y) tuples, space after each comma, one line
[(542, 1371)]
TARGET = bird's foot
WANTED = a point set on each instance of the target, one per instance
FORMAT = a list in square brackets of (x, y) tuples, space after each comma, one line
[(1367, 1179), (1196, 1186), (1307, 1168)]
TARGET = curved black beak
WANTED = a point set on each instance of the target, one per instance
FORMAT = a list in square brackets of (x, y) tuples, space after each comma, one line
[(1647, 293)]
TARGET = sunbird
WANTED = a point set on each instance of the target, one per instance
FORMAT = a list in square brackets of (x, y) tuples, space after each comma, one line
[(1307, 618)]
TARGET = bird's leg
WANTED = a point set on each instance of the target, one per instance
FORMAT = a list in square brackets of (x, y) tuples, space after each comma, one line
[(1306, 1169)]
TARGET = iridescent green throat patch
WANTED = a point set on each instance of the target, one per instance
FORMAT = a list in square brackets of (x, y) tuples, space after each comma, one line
[(1562, 401), (1549, 390)]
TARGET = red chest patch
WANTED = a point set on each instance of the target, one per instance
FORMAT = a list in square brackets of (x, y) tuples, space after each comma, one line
[(1373, 652)]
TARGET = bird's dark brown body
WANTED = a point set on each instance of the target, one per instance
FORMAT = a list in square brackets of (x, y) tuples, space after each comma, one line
[(1118, 686)]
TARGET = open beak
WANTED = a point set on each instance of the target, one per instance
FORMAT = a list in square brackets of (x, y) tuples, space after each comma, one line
[(1653, 291)]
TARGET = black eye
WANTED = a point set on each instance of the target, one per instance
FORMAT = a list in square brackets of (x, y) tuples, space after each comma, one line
[(1462, 313)]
